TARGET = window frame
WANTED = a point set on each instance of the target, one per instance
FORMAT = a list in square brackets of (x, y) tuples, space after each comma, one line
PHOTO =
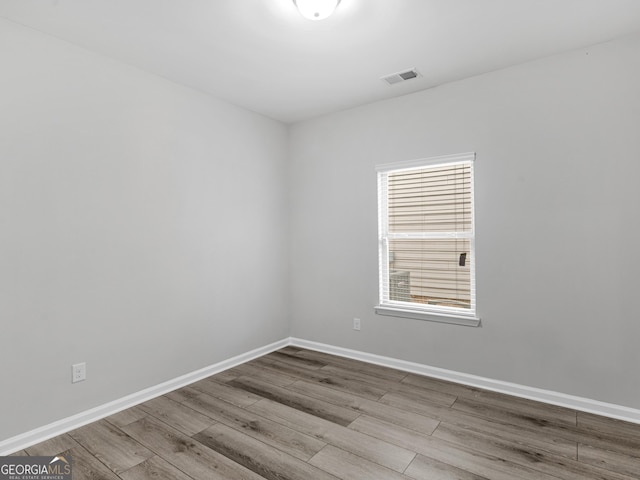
[(435, 313)]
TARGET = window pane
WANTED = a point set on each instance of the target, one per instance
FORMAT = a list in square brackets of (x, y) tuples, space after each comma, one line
[(430, 199), (429, 272)]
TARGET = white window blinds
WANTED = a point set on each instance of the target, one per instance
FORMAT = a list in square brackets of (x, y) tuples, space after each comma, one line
[(426, 235)]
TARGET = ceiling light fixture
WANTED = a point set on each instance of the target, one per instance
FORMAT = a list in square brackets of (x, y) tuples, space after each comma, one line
[(316, 9)]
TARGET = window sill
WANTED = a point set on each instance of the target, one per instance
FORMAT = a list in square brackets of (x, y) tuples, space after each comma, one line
[(465, 320)]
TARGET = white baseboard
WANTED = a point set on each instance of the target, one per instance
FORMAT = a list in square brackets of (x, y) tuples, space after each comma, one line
[(547, 396), (22, 441)]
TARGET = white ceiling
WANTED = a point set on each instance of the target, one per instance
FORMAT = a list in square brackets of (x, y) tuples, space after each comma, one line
[(262, 55)]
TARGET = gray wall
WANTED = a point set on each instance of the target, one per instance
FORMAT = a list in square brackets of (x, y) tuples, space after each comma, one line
[(141, 230), (557, 219)]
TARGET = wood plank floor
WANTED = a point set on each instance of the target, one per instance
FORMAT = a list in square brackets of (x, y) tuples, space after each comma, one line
[(300, 414)]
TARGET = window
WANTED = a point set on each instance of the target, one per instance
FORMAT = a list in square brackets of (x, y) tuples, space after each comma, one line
[(426, 239)]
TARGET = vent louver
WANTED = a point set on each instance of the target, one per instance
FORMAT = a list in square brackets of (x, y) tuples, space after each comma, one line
[(401, 76)]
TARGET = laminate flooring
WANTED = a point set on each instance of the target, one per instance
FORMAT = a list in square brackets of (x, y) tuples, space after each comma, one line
[(301, 414)]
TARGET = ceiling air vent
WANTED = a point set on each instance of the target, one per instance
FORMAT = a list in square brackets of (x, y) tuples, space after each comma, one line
[(401, 76)]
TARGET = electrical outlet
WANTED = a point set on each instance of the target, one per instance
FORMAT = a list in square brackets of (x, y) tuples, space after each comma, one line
[(356, 324), (78, 372)]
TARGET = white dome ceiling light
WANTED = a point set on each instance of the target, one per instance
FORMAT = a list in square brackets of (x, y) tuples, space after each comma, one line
[(316, 9)]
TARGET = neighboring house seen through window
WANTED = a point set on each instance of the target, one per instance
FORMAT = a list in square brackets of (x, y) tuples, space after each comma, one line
[(426, 239)]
